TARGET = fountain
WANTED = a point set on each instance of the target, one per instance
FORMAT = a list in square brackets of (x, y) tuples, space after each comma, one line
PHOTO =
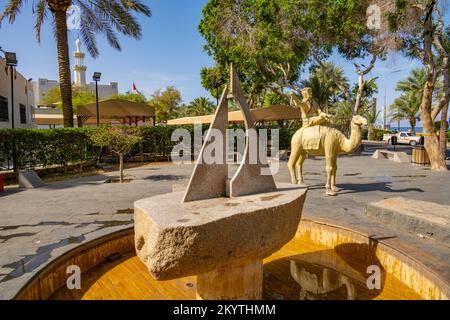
[(219, 229)]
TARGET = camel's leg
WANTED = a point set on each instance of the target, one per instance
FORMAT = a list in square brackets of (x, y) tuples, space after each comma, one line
[(333, 176), (329, 156), (295, 154), (300, 161)]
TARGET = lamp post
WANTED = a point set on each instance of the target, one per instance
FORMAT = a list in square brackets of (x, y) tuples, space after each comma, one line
[(11, 62), (96, 77), (385, 99)]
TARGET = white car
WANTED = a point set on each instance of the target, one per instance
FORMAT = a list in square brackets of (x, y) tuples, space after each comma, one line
[(403, 138)]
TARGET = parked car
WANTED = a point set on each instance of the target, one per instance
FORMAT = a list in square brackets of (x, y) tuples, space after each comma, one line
[(403, 138)]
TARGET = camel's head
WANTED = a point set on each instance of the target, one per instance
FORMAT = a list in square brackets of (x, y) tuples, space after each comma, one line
[(359, 121)]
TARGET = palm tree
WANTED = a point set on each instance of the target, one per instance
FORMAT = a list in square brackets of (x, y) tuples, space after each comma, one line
[(201, 106), (104, 17), (325, 91), (371, 116), (407, 107), (414, 83)]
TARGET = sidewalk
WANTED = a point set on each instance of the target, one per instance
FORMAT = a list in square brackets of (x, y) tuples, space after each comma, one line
[(39, 225)]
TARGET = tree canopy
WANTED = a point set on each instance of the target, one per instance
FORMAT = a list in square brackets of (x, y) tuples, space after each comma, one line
[(271, 41), (165, 103), (133, 97)]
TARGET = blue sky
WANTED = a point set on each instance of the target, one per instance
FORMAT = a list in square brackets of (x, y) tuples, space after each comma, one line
[(169, 53)]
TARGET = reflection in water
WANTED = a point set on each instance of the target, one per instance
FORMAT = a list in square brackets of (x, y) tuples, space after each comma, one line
[(335, 274)]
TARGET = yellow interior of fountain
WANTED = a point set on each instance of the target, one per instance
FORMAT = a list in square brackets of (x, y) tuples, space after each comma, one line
[(300, 270), (321, 262)]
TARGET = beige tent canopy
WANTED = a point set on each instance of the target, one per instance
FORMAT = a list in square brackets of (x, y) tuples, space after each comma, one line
[(124, 111), (273, 113)]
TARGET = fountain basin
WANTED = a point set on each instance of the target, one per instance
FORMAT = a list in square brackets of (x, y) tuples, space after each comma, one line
[(317, 246)]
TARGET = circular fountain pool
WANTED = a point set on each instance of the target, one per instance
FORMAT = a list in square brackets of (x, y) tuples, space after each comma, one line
[(322, 262)]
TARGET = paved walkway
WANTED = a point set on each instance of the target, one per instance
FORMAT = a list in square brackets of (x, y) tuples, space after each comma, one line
[(39, 225)]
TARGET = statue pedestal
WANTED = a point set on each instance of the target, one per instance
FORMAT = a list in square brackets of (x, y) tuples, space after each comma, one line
[(223, 240), (243, 282)]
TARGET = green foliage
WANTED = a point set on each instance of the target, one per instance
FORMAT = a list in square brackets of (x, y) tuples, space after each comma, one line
[(166, 103), (74, 145), (325, 91), (133, 97), (273, 98), (46, 147), (269, 41), (198, 107), (107, 18), (119, 140), (377, 132), (214, 79), (371, 116), (79, 97)]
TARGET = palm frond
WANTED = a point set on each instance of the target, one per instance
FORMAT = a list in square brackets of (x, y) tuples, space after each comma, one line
[(41, 15), (11, 10)]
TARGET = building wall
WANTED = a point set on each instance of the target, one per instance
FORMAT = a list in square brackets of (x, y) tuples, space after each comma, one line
[(105, 90), (23, 95), (42, 86)]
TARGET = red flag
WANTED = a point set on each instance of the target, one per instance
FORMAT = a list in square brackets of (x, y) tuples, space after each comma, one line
[(134, 87)]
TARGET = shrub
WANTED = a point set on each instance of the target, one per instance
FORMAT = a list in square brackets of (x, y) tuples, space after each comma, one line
[(119, 140), (59, 146)]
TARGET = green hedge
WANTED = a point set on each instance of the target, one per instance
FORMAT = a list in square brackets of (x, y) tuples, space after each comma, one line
[(33, 147), (47, 147), (377, 132)]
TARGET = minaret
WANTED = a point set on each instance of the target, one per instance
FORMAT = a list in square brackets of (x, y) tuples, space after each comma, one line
[(79, 68)]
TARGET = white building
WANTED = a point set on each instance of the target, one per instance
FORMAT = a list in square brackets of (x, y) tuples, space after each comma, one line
[(23, 99), (42, 86)]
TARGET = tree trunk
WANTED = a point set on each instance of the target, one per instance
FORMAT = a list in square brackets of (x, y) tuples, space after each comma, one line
[(437, 159), (443, 131), (121, 167), (370, 133), (412, 123), (64, 66)]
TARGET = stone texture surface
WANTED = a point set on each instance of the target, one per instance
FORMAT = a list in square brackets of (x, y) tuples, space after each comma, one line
[(29, 179), (423, 218), (383, 154), (209, 180), (177, 239)]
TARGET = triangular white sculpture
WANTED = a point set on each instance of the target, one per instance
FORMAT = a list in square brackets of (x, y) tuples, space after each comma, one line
[(210, 180)]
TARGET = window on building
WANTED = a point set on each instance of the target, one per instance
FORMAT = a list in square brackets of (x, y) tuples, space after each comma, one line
[(23, 114), (4, 114)]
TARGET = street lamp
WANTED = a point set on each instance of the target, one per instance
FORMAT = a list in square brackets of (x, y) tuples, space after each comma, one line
[(96, 77), (385, 99), (11, 62)]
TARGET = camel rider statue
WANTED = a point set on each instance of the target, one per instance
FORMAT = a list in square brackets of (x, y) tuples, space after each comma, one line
[(311, 116)]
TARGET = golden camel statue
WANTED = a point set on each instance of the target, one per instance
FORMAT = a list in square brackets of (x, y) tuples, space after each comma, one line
[(320, 140)]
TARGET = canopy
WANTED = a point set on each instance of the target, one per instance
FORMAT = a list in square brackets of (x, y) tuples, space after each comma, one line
[(272, 113), (116, 109)]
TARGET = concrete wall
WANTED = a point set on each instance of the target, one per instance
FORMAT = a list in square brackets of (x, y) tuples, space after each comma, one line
[(42, 86), (105, 90), (23, 95)]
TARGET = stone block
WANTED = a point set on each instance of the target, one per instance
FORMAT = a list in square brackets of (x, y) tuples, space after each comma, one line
[(176, 239), (29, 179)]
